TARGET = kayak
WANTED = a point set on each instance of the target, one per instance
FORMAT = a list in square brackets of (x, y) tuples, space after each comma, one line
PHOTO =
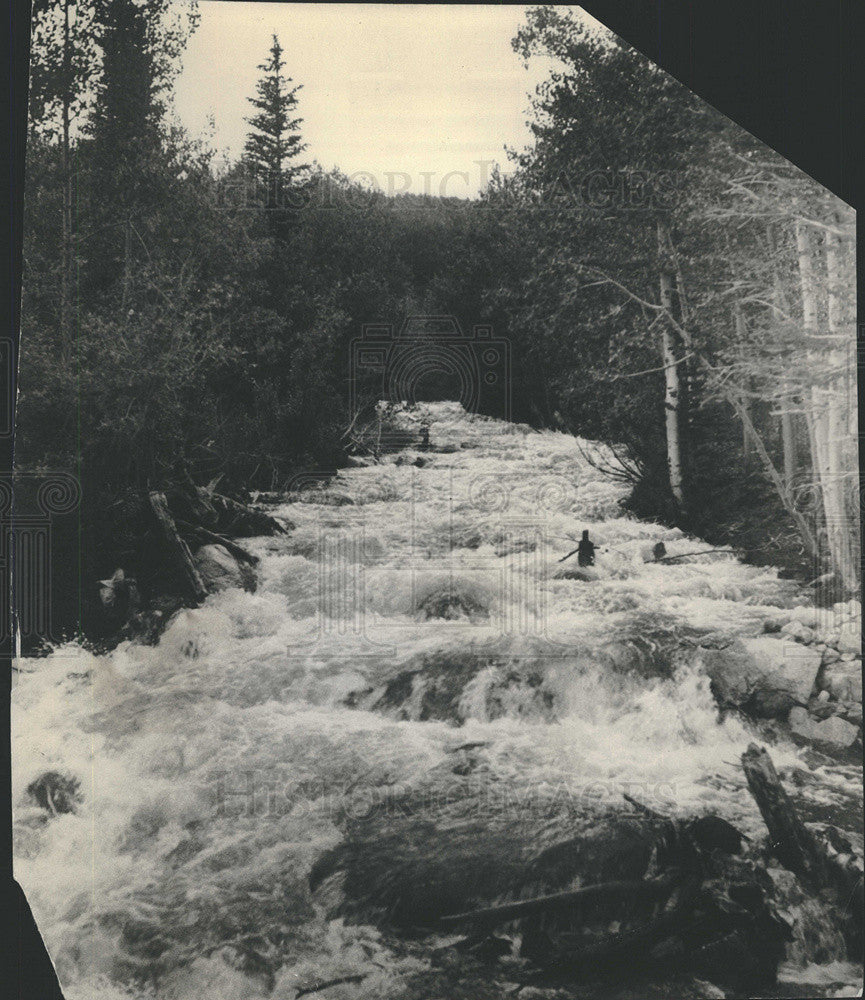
[(588, 574)]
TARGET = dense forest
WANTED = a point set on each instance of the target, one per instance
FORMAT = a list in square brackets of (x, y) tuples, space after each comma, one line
[(666, 283)]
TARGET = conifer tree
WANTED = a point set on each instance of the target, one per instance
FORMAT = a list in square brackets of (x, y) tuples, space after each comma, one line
[(275, 140)]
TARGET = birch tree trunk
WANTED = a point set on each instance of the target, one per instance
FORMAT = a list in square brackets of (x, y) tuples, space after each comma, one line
[(672, 394), (747, 439), (788, 426), (842, 458), (826, 414)]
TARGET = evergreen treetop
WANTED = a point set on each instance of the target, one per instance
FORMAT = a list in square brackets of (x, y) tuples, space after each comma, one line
[(275, 138)]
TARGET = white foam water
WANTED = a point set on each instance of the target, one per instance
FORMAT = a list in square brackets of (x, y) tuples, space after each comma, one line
[(210, 765)]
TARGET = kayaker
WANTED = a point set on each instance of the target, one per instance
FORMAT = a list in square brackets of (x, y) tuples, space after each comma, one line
[(586, 551)]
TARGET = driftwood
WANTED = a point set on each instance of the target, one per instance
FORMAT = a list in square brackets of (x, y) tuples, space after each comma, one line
[(798, 850), (201, 510), (204, 535), (237, 519), (688, 910), (629, 944), (308, 990), (178, 549), (688, 555), (790, 841), (492, 915)]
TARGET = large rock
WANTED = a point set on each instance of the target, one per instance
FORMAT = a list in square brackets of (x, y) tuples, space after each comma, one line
[(834, 731), (808, 616), (850, 639), (219, 570), (843, 680), (797, 631), (452, 603), (764, 675)]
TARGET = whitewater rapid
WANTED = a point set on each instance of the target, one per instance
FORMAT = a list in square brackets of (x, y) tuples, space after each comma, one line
[(211, 766)]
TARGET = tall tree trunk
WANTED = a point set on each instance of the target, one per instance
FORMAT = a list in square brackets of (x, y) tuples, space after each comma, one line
[(672, 394), (805, 533), (842, 458), (747, 440), (66, 237), (788, 443), (788, 425), (826, 412)]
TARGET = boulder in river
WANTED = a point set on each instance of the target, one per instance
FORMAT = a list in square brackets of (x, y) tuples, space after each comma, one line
[(850, 640), (763, 675), (58, 793), (798, 632), (452, 603), (219, 570), (455, 686), (834, 731), (842, 679)]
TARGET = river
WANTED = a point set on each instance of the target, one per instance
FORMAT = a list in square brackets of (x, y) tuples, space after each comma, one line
[(214, 767)]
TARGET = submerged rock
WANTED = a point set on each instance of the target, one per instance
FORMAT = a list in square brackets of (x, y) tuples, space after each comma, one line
[(763, 675), (453, 687), (450, 603), (451, 847), (219, 570), (58, 793)]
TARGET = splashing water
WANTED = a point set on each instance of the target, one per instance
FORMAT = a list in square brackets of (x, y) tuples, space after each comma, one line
[(211, 766)]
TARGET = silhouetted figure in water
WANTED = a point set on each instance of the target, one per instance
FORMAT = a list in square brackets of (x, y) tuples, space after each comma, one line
[(659, 551), (586, 551), (424, 438), (120, 598)]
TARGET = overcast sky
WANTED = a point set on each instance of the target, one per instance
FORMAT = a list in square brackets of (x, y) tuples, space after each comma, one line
[(386, 87)]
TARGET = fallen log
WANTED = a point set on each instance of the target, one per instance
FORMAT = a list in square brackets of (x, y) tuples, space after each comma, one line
[(798, 849), (177, 548), (688, 555), (197, 501), (505, 912), (326, 985), (632, 944), (204, 535), (237, 519), (790, 841)]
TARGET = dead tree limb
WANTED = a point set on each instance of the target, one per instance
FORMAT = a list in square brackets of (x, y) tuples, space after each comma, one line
[(204, 535), (307, 990), (687, 555), (492, 915), (238, 519), (178, 549), (198, 500)]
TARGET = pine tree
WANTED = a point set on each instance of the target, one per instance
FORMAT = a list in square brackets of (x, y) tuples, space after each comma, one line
[(62, 69), (275, 140), (140, 46)]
